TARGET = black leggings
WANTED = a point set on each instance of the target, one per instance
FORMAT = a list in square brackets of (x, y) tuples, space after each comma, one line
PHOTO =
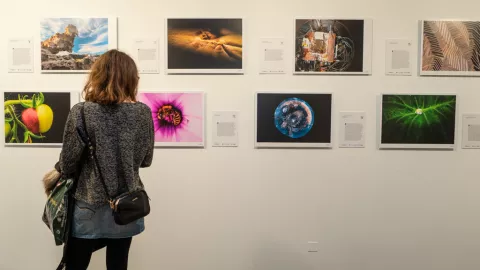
[(80, 252)]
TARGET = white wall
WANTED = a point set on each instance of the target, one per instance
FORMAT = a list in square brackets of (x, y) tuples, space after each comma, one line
[(246, 209)]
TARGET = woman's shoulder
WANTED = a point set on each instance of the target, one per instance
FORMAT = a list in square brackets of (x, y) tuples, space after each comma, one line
[(143, 106), (77, 108), (139, 107)]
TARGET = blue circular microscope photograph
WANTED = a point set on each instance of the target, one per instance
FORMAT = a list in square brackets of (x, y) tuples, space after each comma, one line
[(294, 117)]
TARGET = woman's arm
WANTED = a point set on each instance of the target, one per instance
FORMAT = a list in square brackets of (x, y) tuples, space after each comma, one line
[(147, 161), (73, 145)]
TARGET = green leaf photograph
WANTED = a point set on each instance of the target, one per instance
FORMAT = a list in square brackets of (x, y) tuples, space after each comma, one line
[(418, 119)]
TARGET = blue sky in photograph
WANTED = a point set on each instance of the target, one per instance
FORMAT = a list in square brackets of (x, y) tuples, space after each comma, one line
[(92, 33)]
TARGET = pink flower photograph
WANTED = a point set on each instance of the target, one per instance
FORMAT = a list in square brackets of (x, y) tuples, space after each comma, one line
[(178, 117)]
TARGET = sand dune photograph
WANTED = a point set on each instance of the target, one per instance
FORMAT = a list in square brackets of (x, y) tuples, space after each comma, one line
[(205, 45)]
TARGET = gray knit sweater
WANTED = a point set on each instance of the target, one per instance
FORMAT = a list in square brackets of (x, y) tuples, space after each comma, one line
[(123, 134)]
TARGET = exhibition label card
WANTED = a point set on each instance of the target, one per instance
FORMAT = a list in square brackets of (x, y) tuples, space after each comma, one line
[(147, 56), (352, 129), (20, 55), (272, 56), (471, 131), (398, 58), (225, 129)]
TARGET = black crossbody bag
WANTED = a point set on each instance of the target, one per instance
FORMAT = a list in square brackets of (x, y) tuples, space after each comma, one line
[(126, 207)]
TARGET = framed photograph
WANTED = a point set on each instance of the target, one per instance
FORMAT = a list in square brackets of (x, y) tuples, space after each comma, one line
[(178, 117), (450, 48), (293, 120), (204, 45), (333, 46), (417, 121), (36, 118), (72, 45)]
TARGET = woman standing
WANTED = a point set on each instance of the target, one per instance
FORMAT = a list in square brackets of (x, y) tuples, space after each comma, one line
[(122, 130)]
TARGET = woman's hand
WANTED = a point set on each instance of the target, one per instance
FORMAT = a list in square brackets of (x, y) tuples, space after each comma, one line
[(50, 180)]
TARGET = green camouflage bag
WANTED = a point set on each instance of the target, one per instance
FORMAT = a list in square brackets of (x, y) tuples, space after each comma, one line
[(55, 214)]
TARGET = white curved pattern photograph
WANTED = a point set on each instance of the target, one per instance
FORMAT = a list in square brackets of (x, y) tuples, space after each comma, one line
[(74, 44), (450, 48)]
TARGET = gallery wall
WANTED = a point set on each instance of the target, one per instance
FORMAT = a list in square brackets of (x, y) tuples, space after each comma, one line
[(244, 208)]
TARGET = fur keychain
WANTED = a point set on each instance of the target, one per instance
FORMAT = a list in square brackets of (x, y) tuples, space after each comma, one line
[(50, 181)]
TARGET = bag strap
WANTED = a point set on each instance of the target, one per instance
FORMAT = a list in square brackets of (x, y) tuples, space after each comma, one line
[(92, 154)]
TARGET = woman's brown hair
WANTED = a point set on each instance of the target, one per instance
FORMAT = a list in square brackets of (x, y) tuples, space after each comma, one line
[(113, 79)]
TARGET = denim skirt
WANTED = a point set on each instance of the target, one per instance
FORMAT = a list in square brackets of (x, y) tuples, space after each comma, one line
[(90, 222)]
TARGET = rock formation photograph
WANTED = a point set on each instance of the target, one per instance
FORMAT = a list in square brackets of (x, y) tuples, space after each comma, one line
[(72, 44)]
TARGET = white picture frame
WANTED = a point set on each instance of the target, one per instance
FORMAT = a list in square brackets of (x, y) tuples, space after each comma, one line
[(367, 47), (407, 146), (112, 41), (74, 99), (182, 144), (169, 70), (441, 73), (260, 145)]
